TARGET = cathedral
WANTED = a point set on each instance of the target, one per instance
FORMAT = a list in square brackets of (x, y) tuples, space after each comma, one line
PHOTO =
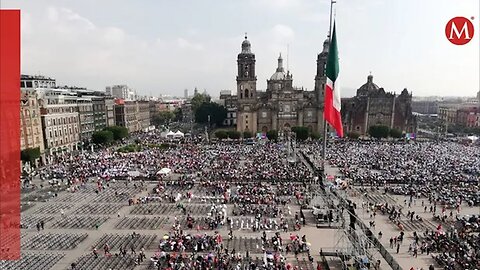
[(373, 106), (282, 106)]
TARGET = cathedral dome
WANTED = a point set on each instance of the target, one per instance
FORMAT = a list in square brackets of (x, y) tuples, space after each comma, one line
[(246, 46), (326, 44), (369, 86), (277, 76), (280, 72)]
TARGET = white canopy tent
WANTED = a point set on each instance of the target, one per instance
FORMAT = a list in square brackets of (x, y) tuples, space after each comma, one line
[(170, 134), (164, 171), (133, 173), (179, 134), (472, 138)]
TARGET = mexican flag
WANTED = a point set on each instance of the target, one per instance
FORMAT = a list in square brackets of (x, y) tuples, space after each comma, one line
[(331, 112)]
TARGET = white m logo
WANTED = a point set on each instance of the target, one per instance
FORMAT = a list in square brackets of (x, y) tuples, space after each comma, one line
[(459, 34)]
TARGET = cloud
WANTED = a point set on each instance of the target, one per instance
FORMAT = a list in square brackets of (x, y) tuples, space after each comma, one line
[(277, 4), (185, 44), (65, 15), (114, 34), (71, 48), (283, 32), (315, 17)]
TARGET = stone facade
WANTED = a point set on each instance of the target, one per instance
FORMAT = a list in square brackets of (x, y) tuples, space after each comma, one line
[(99, 113), (110, 111), (60, 120), (143, 115), (121, 91), (134, 115), (282, 106), (31, 135), (373, 106), (229, 101), (86, 115)]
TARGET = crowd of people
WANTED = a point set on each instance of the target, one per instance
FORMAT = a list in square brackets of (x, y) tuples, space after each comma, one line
[(260, 185), (448, 170)]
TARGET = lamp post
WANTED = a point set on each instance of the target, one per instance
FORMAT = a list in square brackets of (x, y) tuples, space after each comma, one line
[(207, 129)]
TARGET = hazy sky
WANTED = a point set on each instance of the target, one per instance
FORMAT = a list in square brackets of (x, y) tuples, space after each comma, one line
[(159, 46)]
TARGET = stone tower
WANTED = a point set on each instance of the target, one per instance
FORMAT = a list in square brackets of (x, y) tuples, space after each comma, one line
[(246, 89), (320, 81)]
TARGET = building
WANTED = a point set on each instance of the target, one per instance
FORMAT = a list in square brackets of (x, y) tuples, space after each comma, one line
[(281, 106), (134, 115), (153, 111), (86, 117), (121, 92), (99, 113), (60, 120), (373, 106), (468, 117), (125, 114), (425, 107), (37, 81), (110, 111), (143, 115), (229, 101), (169, 105), (31, 135), (185, 93), (448, 113)]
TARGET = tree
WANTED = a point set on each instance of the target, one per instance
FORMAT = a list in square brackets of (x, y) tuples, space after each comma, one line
[(178, 114), (103, 137), (395, 133), (315, 135), (272, 135), (379, 131), (221, 134), (301, 133), (118, 132), (247, 134), (162, 118), (233, 134), (353, 135), (30, 154), (217, 113), (198, 100)]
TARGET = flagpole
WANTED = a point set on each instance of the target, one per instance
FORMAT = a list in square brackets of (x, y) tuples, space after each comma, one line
[(325, 126)]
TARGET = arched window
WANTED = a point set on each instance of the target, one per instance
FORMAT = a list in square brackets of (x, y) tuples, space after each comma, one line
[(247, 93)]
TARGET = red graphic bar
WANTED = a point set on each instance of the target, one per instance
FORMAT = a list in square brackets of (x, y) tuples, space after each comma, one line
[(9, 134)]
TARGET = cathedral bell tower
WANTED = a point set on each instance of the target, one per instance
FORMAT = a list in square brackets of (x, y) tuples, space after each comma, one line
[(321, 76), (246, 89), (320, 81)]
